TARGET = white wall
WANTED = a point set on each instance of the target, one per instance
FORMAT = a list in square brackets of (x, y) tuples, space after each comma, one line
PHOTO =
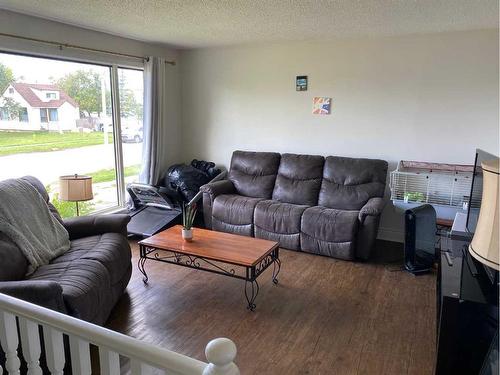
[(33, 27), (423, 97)]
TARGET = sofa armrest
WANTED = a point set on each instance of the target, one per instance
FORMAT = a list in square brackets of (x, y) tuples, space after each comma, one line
[(210, 192), (218, 187), (369, 219), (373, 207), (93, 225), (44, 293)]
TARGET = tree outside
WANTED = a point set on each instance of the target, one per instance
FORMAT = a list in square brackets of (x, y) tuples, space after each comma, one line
[(84, 86), (6, 77), (11, 108)]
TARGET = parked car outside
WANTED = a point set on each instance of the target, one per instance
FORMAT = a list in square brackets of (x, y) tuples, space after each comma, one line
[(132, 135)]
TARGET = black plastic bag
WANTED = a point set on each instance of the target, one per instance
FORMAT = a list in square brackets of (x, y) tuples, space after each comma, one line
[(187, 179)]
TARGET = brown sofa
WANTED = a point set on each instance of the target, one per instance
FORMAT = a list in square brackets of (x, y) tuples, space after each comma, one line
[(329, 206), (84, 282)]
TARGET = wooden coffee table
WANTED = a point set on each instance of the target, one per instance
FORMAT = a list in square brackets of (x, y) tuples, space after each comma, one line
[(222, 253)]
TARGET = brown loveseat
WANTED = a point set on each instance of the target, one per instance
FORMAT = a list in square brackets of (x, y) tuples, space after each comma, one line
[(84, 282), (329, 206)]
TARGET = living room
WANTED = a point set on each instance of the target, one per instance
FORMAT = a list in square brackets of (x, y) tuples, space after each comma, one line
[(238, 84)]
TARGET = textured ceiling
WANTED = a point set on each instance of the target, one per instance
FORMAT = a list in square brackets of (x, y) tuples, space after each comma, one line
[(205, 23)]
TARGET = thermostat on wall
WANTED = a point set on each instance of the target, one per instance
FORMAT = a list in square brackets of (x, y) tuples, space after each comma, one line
[(301, 83)]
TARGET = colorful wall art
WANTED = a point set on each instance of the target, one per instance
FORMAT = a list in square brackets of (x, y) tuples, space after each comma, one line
[(321, 105)]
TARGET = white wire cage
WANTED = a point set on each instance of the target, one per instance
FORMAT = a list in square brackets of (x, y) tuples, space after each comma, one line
[(445, 186)]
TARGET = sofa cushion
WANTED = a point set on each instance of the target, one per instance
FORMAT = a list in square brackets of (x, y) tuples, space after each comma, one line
[(348, 183), (330, 232), (110, 249), (87, 273), (279, 222), (234, 213), (299, 179), (254, 173)]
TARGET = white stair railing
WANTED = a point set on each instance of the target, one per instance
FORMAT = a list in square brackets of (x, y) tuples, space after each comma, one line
[(144, 358)]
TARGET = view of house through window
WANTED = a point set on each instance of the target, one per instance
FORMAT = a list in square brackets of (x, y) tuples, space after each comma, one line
[(56, 119)]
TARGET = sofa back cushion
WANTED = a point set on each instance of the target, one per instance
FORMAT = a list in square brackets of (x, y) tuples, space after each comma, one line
[(348, 183), (37, 184), (13, 263), (299, 179), (253, 173)]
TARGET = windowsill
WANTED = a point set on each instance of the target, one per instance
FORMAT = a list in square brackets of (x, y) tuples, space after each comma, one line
[(107, 211)]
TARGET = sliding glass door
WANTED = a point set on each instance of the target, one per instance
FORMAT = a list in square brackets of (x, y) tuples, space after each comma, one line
[(57, 118), (130, 83)]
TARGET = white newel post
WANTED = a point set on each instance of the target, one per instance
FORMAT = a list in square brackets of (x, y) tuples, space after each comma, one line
[(220, 354), (10, 342)]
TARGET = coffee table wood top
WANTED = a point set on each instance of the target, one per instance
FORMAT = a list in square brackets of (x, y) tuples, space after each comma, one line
[(219, 246)]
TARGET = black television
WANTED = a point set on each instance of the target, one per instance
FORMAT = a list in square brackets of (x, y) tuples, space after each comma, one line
[(476, 191)]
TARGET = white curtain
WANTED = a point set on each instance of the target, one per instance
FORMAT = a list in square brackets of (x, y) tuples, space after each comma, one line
[(154, 119)]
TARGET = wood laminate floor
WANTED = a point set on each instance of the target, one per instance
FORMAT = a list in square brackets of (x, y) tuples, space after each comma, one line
[(325, 316)]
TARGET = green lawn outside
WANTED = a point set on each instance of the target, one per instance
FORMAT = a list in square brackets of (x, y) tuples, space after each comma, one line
[(106, 175), (42, 141)]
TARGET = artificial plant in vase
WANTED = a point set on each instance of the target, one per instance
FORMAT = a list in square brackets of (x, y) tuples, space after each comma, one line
[(188, 215)]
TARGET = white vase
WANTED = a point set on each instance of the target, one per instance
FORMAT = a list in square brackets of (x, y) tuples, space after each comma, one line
[(187, 234)]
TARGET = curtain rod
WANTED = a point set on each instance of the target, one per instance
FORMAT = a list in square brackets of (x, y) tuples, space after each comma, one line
[(73, 46)]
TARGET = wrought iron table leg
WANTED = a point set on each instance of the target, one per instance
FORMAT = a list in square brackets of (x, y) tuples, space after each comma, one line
[(276, 270), (140, 265), (255, 290)]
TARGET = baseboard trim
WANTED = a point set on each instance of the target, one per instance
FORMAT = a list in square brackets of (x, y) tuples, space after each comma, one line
[(389, 234)]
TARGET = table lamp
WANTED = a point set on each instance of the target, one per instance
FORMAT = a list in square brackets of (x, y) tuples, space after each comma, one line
[(484, 245), (75, 188)]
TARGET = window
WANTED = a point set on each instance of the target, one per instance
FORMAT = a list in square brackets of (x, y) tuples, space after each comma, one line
[(23, 114), (43, 115), (53, 114), (48, 114), (4, 114), (51, 95), (131, 110), (11, 90), (79, 135)]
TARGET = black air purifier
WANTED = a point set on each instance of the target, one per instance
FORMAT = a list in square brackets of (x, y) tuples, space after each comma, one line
[(420, 239)]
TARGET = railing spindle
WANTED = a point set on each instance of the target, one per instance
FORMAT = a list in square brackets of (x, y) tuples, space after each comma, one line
[(80, 356), (139, 368), (109, 361), (30, 341), (10, 342), (54, 350)]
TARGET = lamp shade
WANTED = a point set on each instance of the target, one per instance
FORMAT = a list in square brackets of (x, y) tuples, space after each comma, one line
[(75, 188), (484, 245)]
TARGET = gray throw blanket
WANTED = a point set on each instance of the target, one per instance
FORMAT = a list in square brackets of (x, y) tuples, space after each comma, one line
[(26, 220)]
